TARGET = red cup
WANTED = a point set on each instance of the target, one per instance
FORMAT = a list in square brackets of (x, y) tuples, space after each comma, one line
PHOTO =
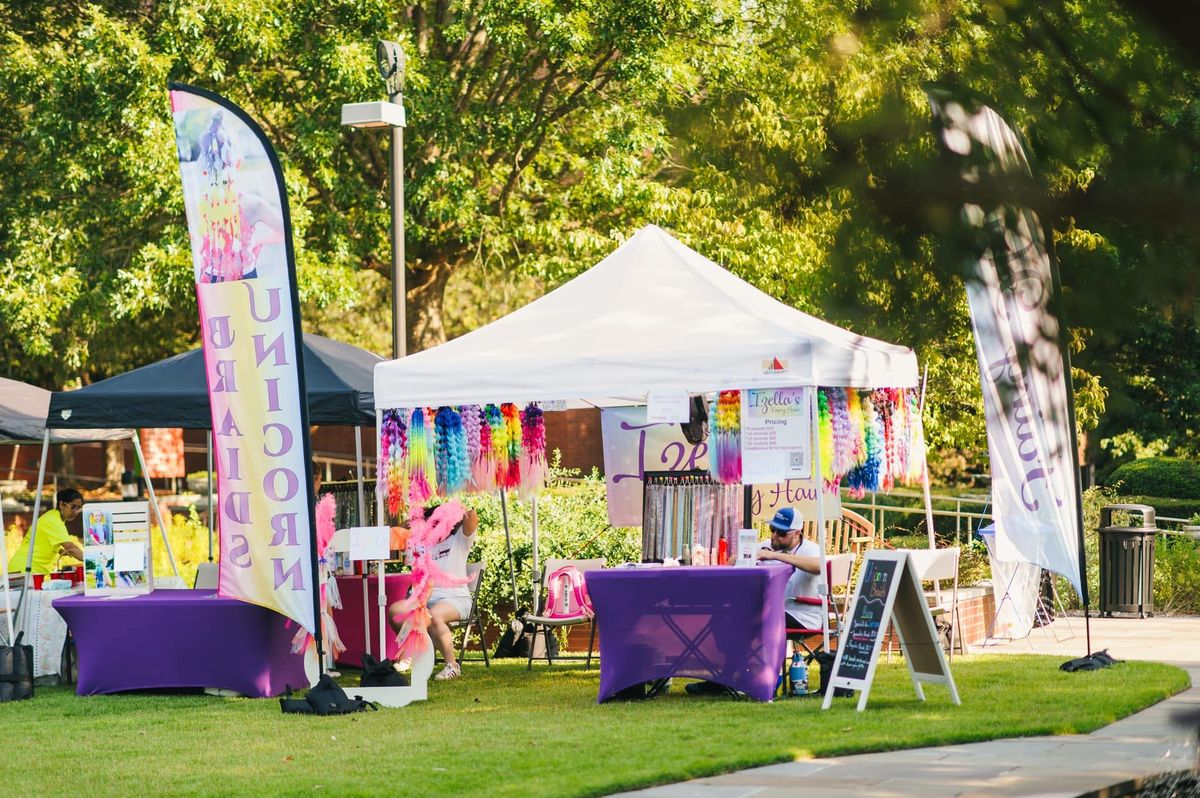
[(77, 575), (37, 581)]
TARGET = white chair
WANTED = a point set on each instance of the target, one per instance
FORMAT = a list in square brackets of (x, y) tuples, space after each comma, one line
[(545, 625), (207, 576), (937, 566)]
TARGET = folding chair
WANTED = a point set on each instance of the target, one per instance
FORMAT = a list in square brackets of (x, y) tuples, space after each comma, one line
[(545, 625), (838, 568), (937, 566), (475, 575)]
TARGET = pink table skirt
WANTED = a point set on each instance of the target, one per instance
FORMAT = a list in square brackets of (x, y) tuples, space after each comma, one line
[(350, 618)]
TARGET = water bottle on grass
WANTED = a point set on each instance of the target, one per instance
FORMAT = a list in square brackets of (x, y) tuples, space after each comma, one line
[(798, 675)]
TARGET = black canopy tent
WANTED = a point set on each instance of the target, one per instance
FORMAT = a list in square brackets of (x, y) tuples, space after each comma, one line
[(174, 392)]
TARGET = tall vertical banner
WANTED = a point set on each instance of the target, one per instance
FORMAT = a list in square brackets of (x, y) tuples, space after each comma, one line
[(1018, 339), (245, 274)]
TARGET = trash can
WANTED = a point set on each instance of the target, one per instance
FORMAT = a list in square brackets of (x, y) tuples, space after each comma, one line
[(1127, 562)]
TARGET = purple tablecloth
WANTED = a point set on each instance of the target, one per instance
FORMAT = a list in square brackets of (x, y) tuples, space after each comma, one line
[(181, 638), (349, 618), (723, 624)]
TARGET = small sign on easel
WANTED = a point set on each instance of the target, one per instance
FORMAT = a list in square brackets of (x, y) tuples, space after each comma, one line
[(888, 590)]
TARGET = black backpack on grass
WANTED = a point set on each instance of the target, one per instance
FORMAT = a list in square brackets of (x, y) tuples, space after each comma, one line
[(326, 698)]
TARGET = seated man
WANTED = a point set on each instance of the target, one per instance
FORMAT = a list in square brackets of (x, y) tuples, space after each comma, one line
[(789, 547), (53, 539)]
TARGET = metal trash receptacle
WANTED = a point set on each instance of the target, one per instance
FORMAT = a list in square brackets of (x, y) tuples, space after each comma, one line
[(1127, 562)]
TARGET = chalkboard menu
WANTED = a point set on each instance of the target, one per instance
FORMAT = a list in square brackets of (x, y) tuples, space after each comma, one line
[(867, 621)]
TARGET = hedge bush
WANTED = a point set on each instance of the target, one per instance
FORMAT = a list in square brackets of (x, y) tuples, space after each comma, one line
[(1169, 477)]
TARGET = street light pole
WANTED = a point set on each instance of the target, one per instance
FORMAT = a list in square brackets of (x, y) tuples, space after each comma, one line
[(390, 60)]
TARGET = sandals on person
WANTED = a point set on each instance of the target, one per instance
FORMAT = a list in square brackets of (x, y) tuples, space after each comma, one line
[(449, 672)]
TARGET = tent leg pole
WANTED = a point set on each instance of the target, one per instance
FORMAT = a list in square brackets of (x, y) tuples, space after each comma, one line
[(12, 465), (8, 613), (823, 578), (37, 510), (358, 469), (162, 527), (537, 577), (381, 516), (208, 438), (512, 568)]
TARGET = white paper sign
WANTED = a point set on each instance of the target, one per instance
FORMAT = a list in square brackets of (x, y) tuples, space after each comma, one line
[(747, 548), (667, 405), (776, 435), (369, 542), (129, 557)]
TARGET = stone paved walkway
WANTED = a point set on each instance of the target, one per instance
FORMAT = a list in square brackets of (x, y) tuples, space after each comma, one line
[(1152, 741)]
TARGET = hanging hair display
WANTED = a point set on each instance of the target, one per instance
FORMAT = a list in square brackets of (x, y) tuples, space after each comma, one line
[(511, 472), (483, 467), (884, 400), (451, 452), (422, 476), (499, 435), (393, 452), (533, 450), (725, 455), (469, 416), (825, 438)]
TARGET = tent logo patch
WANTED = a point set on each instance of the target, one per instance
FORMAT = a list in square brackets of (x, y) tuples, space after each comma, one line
[(65, 414), (774, 366)]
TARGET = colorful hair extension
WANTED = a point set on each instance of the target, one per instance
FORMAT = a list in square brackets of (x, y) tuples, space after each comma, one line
[(422, 476), (393, 452), (483, 468), (451, 452), (533, 450), (729, 436), (469, 415), (511, 476), (714, 454), (499, 433), (825, 439)]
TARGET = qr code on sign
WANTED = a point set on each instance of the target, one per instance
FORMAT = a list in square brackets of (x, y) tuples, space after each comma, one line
[(797, 460)]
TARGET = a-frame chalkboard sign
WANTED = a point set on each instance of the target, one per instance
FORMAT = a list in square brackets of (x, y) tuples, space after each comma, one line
[(888, 589)]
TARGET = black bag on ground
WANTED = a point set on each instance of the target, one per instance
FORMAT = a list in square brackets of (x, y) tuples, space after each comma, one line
[(326, 698), (16, 671), (513, 643), (825, 659), (376, 673), (1092, 662)]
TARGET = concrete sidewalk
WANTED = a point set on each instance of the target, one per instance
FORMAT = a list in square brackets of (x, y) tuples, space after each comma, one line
[(1152, 741)]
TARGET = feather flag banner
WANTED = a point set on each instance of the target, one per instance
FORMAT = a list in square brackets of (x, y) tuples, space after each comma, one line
[(245, 277)]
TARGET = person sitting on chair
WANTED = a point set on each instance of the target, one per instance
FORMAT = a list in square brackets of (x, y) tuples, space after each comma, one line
[(53, 539), (448, 604), (788, 546)]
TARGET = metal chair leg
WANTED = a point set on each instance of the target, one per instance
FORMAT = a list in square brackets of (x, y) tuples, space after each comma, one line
[(591, 642), (462, 654), (482, 642), (549, 659), (532, 641)]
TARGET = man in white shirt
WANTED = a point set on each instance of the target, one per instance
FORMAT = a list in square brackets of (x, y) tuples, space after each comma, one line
[(789, 547)]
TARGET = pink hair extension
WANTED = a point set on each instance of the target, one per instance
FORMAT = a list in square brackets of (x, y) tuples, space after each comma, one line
[(470, 426), (533, 447), (511, 477), (483, 468), (729, 436)]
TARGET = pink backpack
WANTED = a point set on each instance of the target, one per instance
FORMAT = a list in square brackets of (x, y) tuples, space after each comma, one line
[(566, 594)]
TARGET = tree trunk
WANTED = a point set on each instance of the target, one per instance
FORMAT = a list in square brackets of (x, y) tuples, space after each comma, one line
[(427, 288), (114, 464)]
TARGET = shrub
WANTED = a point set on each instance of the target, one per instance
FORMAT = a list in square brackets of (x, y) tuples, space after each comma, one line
[(1176, 575), (1170, 477)]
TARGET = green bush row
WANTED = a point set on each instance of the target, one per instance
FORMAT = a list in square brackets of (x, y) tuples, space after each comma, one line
[(1171, 477)]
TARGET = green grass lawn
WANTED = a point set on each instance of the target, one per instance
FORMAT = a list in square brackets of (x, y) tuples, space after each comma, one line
[(503, 731)]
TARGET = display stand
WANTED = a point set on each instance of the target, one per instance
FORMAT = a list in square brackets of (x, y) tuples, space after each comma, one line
[(682, 510), (888, 590), (116, 549)]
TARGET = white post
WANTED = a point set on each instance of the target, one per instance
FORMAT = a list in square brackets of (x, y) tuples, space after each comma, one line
[(358, 469), (381, 518), (8, 613), (823, 577), (208, 437), (162, 527), (37, 509), (537, 581)]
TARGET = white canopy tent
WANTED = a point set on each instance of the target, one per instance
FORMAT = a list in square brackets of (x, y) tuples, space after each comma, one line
[(654, 313)]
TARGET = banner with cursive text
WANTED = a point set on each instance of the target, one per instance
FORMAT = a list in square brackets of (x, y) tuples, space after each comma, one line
[(632, 447), (245, 276)]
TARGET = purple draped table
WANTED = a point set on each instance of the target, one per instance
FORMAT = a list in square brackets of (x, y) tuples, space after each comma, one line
[(181, 638), (722, 624), (358, 618)]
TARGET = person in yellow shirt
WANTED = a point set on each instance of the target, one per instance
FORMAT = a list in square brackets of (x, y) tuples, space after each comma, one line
[(53, 539)]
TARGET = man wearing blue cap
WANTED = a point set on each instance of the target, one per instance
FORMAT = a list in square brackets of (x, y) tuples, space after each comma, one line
[(789, 547)]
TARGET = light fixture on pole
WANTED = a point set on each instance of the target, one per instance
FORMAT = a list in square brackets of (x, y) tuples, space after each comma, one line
[(390, 114)]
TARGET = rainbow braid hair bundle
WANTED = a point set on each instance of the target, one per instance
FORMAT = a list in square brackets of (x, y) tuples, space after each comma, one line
[(453, 468), (469, 414), (422, 474), (725, 457), (498, 431), (533, 450), (885, 403), (483, 467), (510, 473), (393, 447), (825, 437), (866, 476)]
